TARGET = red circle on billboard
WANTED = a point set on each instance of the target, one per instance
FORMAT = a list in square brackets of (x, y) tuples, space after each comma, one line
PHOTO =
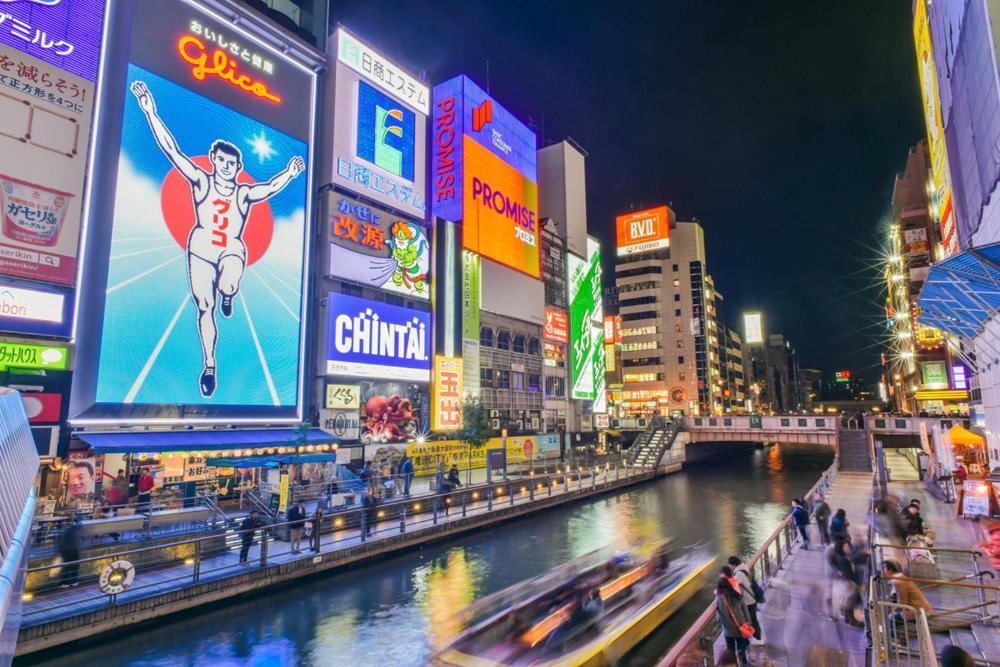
[(177, 205)]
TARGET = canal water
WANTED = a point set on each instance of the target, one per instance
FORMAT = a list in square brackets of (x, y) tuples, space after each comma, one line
[(392, 612)]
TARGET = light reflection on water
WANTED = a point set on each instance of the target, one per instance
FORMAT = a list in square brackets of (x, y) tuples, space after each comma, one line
[(393, 611)]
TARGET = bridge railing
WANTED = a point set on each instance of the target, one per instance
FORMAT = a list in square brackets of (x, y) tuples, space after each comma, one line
[(893, 424), (764, 423), (697, 646)]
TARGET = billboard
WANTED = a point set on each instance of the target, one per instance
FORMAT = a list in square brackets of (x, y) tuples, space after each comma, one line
[(446, 414), (380, 127), (556, 326), (48, 64), (472, 266), (485, 174), (372, 339), (643, 231), (941, 192), (33, 357), (612, 329), (342, 397), (842, 377), (586, 316), (200, 307), (377, 248), (753, 329), (45, 312), (934, 374), (392, 412)]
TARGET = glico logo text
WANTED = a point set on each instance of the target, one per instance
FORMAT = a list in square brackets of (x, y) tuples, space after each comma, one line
[(193, 52), (500, 203), (444, 147)]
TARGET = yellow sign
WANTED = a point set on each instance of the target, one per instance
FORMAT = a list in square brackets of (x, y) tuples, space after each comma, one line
[(446, 412), (343, 396), (942, 205), (427, 455), (283, 492)]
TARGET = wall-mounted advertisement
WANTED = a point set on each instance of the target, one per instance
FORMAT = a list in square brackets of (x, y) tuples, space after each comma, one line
[(33, 357), (373, 339), (48, 64), (915, 241), (202, 304), (472, 266), (345, 424), (45, 312), (586, 316), (393, 412), (380, 127), (377, 248), (753, 329), (556, 326), (484, 174), (612, 329), (941, 192), (446, 414), (342, 397), (643, 231), (934, 374)]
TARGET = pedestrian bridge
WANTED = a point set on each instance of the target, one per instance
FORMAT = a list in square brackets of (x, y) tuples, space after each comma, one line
[(764, 428)]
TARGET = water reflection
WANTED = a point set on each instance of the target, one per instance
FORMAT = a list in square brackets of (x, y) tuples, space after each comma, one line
[(393, 611)]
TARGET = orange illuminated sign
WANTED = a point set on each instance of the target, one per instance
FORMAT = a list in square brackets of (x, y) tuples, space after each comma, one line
[(500, 211), (643, 231), (447, 408), (556, 325), (194, 52)]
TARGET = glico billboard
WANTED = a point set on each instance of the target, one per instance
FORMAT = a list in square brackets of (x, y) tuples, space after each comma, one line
[(49, 54), (484, 175), (380, 127), (643, 231), (196, 308)]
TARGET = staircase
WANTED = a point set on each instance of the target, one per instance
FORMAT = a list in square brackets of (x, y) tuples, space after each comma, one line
[(855, 455), (648, 448)]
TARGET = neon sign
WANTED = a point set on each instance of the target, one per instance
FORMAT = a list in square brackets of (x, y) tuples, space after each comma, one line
[(194, 52)]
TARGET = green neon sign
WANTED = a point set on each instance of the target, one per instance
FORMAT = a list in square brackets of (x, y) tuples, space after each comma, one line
[(35, 357)]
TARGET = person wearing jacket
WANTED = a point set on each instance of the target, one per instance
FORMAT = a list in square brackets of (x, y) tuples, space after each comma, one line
[(296, 526), (838, 526), (249, 526), (800, 517), (906, 591), (732, 614), (743, 576), (821, 512)]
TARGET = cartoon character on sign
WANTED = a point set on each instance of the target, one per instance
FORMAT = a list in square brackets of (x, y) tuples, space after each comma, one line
[(216, 253), (409, 249), (388, 419)]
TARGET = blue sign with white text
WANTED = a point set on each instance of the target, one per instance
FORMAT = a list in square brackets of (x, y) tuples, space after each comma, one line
[(372, 339), (386, 134)]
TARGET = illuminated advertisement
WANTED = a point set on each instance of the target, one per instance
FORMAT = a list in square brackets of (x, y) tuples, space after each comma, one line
[(472, 267), (643, 231), (373, 339), (202, 302), (427, 456), (35, 311), (377, 248), (48, 64), (556, 326), (586, 323), (612, 329), (934, 374), (959, 377), (392, 412), (484, 174), (380, 128), (343, 397), (31, 356), (447, 395), (842, 377), (941, 194), (753, 329)]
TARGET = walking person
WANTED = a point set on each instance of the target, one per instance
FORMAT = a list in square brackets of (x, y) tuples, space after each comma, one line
[(317, 527), (249, 526), (368, 502), (821, 512), (800, 517), (296, 526), (848, 577), (146, 484), (750, 591), (454, 477), (839, 525), (69, 552), (733, 616), (407, 471)]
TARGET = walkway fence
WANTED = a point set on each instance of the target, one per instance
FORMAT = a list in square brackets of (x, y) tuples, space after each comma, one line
[(697, 646), (18, 466)]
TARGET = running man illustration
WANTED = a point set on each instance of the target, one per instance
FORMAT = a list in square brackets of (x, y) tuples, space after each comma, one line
[(216, 255), (407, 250)]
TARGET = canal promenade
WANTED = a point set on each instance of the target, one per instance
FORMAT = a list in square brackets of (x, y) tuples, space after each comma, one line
[(64, 615)]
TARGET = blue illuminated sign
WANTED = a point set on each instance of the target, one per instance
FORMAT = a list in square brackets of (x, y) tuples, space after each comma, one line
[(64, 33), (372, 339), (386, 132)]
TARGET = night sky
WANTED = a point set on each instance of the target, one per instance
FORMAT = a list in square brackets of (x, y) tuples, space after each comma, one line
[(778, 125)]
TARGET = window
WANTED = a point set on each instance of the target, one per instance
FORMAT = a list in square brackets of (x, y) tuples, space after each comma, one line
[(645, 345), (786, 422), (682, 376), (677, 297), (638, 301), (486, 337), (555, 387), (395, 299), (503, 340), (646, 270), (486, 377), (679, 328), (820, 423), (677, 313), (519, 343), (350, 289), (517, 380), (644, 315), (503, 379), (676, 267), (534, 382), (803, 422), (680, 343), (638, 331), (534, 347), (680, 360)]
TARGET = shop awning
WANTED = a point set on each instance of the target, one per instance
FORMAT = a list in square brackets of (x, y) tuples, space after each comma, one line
[(269, 461), (963, 436), (180, 441), (963, 291)]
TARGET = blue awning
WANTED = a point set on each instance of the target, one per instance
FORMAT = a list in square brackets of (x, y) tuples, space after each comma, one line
[(270, 461), (179, 441), (962, 292)]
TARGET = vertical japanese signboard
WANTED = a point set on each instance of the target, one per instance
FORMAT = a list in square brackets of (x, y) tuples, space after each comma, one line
[(586, 316), (380, 127), (941, 192), (201, 310), (447, 408), (471, 274), (49, 54)]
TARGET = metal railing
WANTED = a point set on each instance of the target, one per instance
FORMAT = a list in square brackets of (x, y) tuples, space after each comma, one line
[(182, 563), (900, 635), (697, 645)]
